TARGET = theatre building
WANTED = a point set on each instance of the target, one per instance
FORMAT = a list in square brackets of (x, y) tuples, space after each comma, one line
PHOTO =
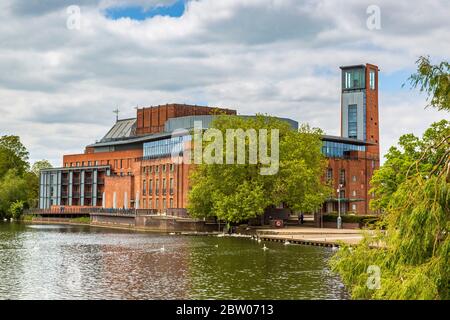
[(132, 167)]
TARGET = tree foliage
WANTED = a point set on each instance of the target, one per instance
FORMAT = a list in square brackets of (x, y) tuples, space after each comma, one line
[(19, 186), (413, 189), (399, 160), (238, 192), (435, 81)]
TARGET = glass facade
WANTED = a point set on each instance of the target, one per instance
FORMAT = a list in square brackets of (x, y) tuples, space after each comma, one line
[(352, 121), (333, 149), (165, 147), (354, 79)]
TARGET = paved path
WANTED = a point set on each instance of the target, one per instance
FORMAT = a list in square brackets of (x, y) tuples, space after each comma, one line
[(312, 236)]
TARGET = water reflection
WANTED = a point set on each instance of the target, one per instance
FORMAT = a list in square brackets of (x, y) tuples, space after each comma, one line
[(74, 262)]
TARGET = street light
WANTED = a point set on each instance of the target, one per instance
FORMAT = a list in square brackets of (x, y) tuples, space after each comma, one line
[(339, 219)]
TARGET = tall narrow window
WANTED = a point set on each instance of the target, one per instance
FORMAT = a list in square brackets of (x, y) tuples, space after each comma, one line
[(171, 203), (342, 177), (171, 185), (157, 187), (352, 121), (144, 187), (164, 189), (348, 77), (372, 79), (150, 187), (329, 174)]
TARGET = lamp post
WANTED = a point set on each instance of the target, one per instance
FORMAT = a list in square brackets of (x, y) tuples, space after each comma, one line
[(339, 219)]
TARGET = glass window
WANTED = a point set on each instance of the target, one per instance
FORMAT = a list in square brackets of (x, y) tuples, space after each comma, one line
[(171, 203), (372, 79), (150, 186), (354, 78), (342, 177), (329, 174), (157, 186), (165, 147), (352, 121), (354, 178), (333, 149), (144, 187)]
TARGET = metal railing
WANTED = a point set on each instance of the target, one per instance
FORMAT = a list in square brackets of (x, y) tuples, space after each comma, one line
[(57, 210)]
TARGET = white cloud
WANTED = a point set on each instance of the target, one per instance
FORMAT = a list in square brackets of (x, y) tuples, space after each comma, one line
[(58, 87)]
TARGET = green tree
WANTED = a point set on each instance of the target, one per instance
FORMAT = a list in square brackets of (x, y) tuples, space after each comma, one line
[(239, 192), (39, 165), (413, 188), (13, 187), (399, 160), (435, 81), (16, 209), (13, 155)]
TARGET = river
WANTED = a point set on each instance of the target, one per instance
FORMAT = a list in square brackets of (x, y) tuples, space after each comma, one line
[(82, 262)]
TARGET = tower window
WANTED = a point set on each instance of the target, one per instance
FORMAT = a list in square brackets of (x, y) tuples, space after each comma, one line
[(352, 121), (372, 79)]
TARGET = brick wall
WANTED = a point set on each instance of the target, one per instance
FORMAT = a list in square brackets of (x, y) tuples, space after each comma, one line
[(152, 119)]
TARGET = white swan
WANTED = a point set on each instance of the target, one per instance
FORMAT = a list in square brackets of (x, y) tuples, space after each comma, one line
[(265, 248), (286, 243)]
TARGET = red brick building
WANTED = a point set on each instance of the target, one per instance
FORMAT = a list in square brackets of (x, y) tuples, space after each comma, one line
[(131, 166)]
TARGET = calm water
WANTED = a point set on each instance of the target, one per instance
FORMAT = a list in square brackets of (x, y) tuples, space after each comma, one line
[(73, 262)]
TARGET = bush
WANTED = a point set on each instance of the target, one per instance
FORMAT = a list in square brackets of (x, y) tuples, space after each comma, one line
[(86, 220), (16, 209)]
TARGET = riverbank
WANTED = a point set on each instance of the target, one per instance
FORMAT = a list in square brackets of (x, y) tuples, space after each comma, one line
[(327, 237)]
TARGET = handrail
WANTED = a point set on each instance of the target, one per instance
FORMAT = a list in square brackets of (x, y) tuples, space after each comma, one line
[(173, 212)]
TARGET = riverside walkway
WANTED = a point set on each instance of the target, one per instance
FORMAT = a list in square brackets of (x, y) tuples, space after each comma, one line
[(312, 236)]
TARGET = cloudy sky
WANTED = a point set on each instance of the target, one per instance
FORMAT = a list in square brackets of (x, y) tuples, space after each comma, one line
[(59, 83)]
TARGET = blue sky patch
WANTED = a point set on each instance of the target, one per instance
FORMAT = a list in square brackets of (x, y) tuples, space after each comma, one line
[(176, 9)]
